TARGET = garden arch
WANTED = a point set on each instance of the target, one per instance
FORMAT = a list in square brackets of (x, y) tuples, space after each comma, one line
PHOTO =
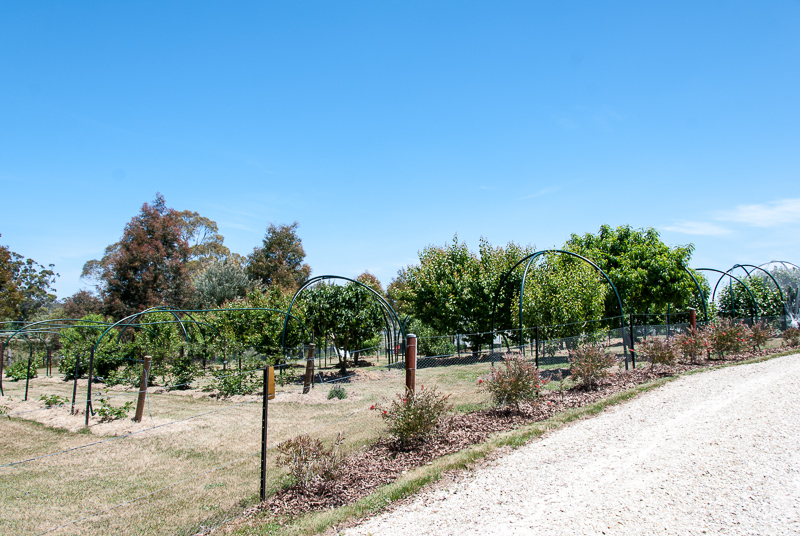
[(387, 309), (723, 274), (530, 258)]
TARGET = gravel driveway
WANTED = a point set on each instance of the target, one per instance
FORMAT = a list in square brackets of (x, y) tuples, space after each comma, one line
[(712, 453)]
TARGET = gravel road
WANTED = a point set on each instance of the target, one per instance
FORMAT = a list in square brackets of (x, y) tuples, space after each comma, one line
[(712, 453)]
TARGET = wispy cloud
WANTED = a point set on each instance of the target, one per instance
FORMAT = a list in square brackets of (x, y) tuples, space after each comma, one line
[(773, 214), (542, 192), (698, 228)]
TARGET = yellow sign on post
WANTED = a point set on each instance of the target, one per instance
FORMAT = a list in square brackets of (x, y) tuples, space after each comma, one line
[(270, 383)]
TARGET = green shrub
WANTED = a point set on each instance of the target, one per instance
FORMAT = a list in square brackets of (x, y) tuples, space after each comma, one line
[(513, 382), (659, 351), (181, 373), (18, 370), (414, 417), (53, 400), (589, 363), (337, 391), (107, 412), (309, 460), (235, 382), (130, 375), (791, 337)]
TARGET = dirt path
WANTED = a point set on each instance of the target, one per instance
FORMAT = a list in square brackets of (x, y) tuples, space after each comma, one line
[(712, 453)]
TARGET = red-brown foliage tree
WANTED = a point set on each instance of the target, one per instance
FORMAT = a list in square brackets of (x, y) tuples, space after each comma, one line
[(148, 266)]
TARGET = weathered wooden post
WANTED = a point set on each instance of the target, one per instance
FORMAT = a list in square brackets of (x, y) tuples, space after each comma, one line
[(693, 318), (411, 362), (142, 389), (633, 351), (309, 379)]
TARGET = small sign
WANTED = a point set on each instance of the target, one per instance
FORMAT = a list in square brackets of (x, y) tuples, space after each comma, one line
[(270, 383)]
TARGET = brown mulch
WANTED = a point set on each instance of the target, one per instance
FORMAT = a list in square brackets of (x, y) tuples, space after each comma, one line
[(383, 462)]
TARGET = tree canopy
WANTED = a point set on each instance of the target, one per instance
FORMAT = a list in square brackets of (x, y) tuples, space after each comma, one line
[(26, 287), (148, 266), (451, 289), (279, 260), (648, 274)]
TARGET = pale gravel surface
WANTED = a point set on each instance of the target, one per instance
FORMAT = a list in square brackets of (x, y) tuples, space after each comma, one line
[(714, 453)]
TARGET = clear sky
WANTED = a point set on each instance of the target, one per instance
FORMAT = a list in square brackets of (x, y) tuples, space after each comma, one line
[(382, 127)]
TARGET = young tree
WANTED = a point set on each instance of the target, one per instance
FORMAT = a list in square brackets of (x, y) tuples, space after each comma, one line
[(148, 265), (349, 315), (279, 261)]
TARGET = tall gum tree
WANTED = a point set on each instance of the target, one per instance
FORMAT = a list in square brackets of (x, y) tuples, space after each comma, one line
[(148, 266)]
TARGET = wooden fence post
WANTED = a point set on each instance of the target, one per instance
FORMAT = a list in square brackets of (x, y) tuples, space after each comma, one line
[(411, 362), (142, 389), (309, 379)]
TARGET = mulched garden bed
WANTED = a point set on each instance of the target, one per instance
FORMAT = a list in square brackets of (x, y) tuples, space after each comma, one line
[(382, 462)]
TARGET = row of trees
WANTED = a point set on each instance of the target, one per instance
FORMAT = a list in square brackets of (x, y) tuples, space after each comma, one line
[(167, 257), (451, 290)]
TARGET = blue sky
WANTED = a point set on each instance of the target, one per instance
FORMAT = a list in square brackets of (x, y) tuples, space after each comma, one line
[(382, 127)]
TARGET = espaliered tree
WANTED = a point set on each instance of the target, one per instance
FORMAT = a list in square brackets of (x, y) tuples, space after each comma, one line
[(648, 274), (148, 266)]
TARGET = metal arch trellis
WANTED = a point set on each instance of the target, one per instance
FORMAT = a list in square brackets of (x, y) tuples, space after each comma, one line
[(723, 274), (127, 322), (35, 327), (530, 258), (702, 294), (384, 304), (744, 267)]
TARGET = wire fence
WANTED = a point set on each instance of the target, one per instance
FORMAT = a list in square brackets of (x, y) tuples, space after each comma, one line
[(194, 462)]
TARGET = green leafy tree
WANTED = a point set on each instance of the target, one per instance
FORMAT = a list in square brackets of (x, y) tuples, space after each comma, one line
[(279, 261), (148, 266), (564, 293), (734, 301), (221, 281), (648, 274), (26, 287), (451, 290), (349, 315), (258, 329)]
